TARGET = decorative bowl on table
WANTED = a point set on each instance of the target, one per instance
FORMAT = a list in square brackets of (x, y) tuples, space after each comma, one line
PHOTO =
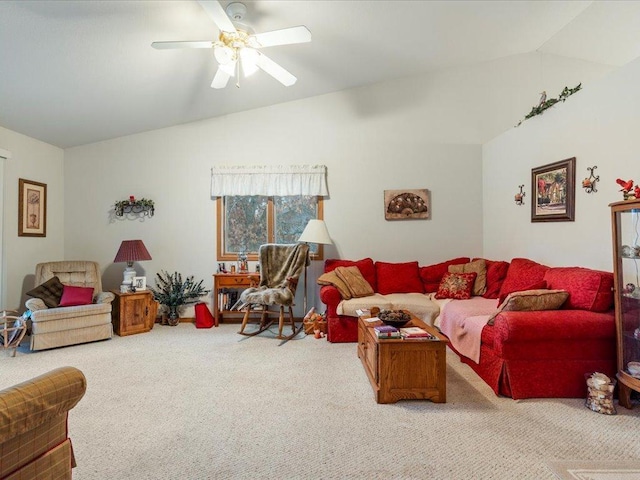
[(395, 318)]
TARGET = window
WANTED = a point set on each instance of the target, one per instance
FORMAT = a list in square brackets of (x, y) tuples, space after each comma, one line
[(246, 222)]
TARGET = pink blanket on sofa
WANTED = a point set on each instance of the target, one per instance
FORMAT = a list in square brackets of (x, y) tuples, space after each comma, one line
[(463, 320)]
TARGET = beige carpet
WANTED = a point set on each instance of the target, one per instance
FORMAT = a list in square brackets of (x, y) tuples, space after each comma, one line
[(603, 470), (182, 403)]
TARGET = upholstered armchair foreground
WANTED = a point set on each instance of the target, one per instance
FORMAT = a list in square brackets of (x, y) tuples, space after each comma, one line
[(68, 305), (34, 441)]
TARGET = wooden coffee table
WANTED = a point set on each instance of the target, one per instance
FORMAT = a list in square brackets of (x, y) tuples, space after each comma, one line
[(404, 369)]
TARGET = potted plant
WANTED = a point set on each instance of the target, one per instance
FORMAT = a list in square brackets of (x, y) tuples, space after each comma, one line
[(171, 292)]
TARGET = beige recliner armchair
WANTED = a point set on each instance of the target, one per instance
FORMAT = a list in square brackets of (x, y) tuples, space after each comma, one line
[(61, 326)]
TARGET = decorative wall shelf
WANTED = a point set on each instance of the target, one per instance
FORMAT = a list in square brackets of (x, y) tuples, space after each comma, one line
[(144, 207)]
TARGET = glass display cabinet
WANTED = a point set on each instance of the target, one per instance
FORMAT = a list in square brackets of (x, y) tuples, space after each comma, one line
[(625, 223)]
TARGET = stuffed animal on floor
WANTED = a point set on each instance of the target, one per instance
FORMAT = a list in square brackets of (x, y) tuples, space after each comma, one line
[(316, 319)]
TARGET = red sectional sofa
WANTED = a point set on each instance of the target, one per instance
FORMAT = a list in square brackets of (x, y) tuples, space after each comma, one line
[(524, 354)]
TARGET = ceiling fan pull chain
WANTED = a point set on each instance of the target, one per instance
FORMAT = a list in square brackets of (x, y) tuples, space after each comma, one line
[(238, 72)]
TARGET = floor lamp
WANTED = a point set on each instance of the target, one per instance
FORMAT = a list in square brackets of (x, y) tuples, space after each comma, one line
[(315, 232)]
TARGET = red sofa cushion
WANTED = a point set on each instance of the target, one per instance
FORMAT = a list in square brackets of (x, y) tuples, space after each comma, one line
[(398, 278), (431, 275), (366, 267), (523, 274), (496, 273), (588, 289)]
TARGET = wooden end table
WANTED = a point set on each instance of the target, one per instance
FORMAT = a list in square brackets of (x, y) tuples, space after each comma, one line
[(404, 369)]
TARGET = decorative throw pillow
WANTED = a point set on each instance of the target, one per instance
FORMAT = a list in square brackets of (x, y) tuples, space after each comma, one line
[(522, 273), (496, 273), (541, 285), (72, 296), (588, 289), (431, 275), (531, 300), (480, 267), (366, 267), (355, 282), (49, 292), (332, 278), (398, 278), (456, 285)]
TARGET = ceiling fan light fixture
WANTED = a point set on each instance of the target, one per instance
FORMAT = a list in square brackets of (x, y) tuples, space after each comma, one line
[(249, 59), (224, 55)]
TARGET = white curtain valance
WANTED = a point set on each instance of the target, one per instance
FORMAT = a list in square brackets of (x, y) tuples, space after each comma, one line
[(269, 180)]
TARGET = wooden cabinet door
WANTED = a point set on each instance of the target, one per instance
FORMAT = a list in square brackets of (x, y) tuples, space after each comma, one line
[(134, 314)]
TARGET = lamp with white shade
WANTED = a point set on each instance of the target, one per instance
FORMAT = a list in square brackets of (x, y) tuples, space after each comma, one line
[(315, 232)]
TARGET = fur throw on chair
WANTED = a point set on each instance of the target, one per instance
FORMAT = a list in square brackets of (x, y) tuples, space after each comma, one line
[(280, 268)]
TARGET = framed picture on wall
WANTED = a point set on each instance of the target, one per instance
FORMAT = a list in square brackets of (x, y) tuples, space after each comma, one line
[(406, 204), (555, 187), (32, 208)]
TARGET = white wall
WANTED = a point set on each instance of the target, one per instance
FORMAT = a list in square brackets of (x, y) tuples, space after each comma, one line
[(41, 162), (599, 126), (418, 132)]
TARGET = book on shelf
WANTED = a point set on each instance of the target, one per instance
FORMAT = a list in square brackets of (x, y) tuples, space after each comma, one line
[(416, 333)]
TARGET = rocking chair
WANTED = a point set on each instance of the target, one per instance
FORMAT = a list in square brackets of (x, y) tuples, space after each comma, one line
[(280, 269)]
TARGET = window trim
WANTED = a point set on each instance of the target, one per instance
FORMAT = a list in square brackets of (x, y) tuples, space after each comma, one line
[(222, 256)]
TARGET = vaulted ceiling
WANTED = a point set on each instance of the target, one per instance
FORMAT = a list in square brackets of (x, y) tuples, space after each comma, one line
[(77, 72)]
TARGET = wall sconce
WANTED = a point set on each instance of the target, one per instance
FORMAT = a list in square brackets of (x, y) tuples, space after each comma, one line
[(589, 184), (520, 196)]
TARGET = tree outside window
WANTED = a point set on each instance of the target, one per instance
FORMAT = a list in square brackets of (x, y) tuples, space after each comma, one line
[(246, 222)]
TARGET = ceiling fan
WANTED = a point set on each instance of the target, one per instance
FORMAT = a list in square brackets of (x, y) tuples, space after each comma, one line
[(237, 46)]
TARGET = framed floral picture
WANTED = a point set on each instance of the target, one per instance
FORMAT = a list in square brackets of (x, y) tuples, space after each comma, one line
[(406, 204), (555, 187), (32, 208)]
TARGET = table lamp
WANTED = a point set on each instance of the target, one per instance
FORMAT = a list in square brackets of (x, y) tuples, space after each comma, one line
[(131, 251), (315, 232)]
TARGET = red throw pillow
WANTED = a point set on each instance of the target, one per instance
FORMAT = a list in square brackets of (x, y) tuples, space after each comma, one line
[(431, 275), (456, 285), (398, 278), (588, 289), (366, 267), (72, 296), (521, 275), (496, 273)]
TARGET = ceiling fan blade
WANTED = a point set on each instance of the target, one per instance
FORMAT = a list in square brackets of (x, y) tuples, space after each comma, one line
[(275, 70), (286, 36), (218, 15), (167, 45), (223, 74)]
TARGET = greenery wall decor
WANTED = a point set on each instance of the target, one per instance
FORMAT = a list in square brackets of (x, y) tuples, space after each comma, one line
[(550, 102), (143, 205)]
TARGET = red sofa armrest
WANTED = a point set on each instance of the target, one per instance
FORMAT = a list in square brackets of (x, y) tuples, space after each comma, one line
[(513, 328), (330, 296)]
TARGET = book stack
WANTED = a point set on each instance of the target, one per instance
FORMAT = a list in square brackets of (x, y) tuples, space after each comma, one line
[(387, 331), (416, 333)]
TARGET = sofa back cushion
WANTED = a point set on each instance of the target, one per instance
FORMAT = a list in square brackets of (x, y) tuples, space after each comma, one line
[(398, 278), (588, 289), (366, 267), (523, 274), (496, 273), (431, 275)]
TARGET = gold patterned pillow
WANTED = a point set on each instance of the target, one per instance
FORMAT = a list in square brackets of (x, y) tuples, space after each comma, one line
[(531, 300)]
